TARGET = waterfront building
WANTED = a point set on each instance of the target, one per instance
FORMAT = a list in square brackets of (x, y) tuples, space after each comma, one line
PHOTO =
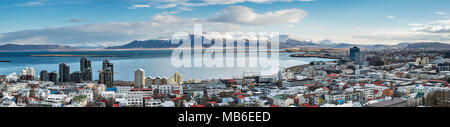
[(139, 78), (178, 78), (53, 76), (76, 77), (44, 75), (106, 77), (85, 69), (64, 71), (107, 65), (27, 74), (353, 52)]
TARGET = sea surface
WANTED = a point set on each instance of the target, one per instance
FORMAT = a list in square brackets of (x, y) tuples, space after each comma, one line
[(154, 62)]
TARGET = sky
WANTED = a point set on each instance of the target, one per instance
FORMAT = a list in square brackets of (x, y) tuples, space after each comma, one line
[(116, 22)]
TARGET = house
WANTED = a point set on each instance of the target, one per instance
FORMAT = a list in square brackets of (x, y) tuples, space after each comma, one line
[(311, 99), (353, 96), (283, 101), (333, 98), (150, 102), (144, 92), (250, 101), (135, 100), (388, 93), (56, 97)]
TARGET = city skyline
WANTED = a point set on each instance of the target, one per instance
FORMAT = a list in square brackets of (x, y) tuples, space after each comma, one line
[(89, 23)]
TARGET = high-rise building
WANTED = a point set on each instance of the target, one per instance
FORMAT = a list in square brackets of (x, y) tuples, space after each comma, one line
[(358, 58), (149, 81), (85, 69), (105, 77), (53, 76), (27, 74), (178, 78), (353, 52), (44, 75), (108, 66), (64, 72), (139, 78), (76, 77)]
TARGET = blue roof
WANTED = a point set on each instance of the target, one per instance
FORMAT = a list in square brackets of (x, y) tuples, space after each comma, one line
[(111, 89)]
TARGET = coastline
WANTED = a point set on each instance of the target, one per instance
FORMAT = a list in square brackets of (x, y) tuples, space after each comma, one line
[(72, 55), (314, 55)]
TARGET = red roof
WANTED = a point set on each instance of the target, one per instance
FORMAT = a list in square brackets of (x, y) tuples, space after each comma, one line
[(198, 106), (333, 75), (237, 93), (375, 91), (272, 105), (378, 83), (307, 105), (176, 92), (147, 98), (177, 98), (309, 95), (115, 105), (241, 96), (362, 84), (325, 88), (212, 102), (141, 89), (308, 84)]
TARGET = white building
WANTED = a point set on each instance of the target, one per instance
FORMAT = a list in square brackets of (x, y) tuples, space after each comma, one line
[(56, 97), (13, 77), (134, 100), (139, 78), (152, 102), (108, 94), (168, 104), (165, 89), (27, 71), (334, 97), (283, 101)]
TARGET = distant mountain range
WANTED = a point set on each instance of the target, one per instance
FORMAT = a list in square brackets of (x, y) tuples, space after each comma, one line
[(146, 44), (16, 47), (428, 45), (289, 43)]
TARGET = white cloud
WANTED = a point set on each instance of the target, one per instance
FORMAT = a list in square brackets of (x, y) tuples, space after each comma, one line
[(291, 26), (76, 20), (415, 24), (440, 13), (139, 6), (213, 2), (170, 5), (245, 15), (391, 17), (160, 25), (418, 33), (439, 26), (433, 28), (446, 22), (185, 9), (162, 4), (33, 3)]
